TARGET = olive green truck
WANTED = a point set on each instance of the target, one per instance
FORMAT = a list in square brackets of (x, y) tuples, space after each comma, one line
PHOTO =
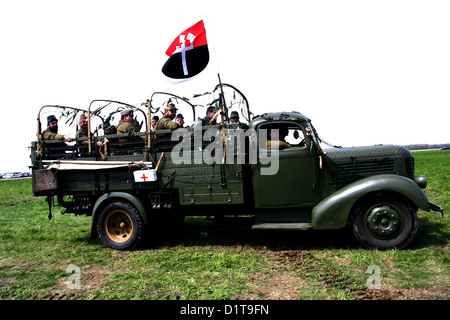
[(130, 182)]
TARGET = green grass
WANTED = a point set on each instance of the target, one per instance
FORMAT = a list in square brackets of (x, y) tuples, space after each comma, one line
[(204, 260)]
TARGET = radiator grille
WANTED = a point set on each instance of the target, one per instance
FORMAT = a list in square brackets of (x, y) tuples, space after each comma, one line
[(359, 168), (409, 162)]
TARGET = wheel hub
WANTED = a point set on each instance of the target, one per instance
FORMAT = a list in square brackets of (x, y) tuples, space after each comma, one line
[(119, 226), (384, 221)]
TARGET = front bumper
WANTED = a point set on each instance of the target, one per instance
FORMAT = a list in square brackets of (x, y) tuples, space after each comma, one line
[(437, 208)]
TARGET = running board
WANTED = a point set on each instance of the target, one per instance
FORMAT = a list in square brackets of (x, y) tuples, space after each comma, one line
[(282, 226)]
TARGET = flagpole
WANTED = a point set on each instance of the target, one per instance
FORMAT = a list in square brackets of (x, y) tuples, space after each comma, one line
[(212, 43), (222, 102), (222, 95)]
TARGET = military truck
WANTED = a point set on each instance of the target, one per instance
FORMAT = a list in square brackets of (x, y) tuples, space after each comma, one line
[(131, 182)]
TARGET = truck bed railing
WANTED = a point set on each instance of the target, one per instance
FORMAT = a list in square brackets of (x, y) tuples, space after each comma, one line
[(134, 147)]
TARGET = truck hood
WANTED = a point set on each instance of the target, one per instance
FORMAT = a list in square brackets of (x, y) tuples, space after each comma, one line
[(351, 164)]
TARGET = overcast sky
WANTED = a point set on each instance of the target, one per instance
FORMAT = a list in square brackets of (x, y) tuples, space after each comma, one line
[(365, 72)]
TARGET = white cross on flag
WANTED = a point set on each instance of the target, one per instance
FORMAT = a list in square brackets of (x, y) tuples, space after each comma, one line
[(188, 53)]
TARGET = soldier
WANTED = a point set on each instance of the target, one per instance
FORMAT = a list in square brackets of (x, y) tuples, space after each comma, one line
[(234, 117), (180, 119), (54, 150), (125, 123), (209, 115), (154, 121), (166, 121), (51, 133), (83, 131), (128, 126)]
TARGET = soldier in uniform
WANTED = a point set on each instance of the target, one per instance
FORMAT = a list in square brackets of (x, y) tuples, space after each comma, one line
[(51, 133), (154, 121), (206, 121), (128, 126), (180, 120), (83, 131), (54, 150), (234, 117), (166, 121), (125, 123)]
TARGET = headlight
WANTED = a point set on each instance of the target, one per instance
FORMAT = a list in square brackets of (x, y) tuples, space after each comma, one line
[(421, 181)]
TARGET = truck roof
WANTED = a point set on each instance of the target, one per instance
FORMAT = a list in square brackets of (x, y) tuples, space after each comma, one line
[(279, 116)]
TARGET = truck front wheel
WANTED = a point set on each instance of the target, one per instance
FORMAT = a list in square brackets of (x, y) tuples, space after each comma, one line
[(384, 222), (120, 226)]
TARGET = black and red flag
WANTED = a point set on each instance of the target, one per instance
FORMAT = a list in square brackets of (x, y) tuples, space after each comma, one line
[(188, 53)]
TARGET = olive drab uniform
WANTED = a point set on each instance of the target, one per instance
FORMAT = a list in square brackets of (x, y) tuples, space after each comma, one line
[(166, 123), (82, 134), (53, 150), (49, 135), (124, 127)]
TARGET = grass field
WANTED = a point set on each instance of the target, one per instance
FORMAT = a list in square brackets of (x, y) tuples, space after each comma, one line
[(56, 259)]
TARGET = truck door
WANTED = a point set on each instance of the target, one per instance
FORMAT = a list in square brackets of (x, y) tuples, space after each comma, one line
[(293, 183)]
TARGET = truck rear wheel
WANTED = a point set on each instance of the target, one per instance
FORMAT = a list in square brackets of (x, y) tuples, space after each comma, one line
[(384, 222), (120, 226)]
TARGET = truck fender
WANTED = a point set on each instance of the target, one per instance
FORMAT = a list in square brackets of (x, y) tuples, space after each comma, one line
[(333, 211), (116, 195)]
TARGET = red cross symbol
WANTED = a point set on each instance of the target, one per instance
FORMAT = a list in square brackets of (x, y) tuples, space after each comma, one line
[(144, 177)]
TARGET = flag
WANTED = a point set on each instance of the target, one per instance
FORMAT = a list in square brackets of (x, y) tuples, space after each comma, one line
[(188, 53)]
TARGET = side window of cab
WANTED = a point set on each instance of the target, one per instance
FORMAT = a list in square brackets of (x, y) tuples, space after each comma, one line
[(283, 135), (295, 136)]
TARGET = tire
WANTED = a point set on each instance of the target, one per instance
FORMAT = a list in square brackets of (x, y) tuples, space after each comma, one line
[(384, 222), (120, 226)]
